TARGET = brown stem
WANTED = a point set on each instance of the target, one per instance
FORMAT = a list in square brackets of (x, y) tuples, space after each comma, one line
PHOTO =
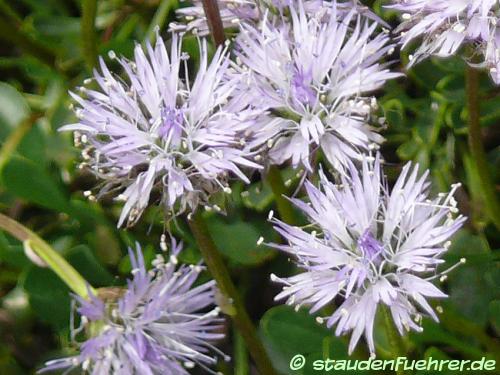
[(214, 20), (238, 313), (490, 201)]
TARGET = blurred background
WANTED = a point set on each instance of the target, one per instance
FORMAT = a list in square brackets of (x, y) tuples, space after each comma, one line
[(47, 49)]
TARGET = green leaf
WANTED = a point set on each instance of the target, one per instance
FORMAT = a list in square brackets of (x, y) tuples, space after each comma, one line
[(237, 239), (82, 258), (106, 245), (57, 26), (297, 331), (465, 244), (335, 351), (33, 146), (468, 285), (434, 354), (27, 180), (13, 109), (469, 290), (408, 149), (13, 255), (434, 333), (394, 112), (48, 296), (87, 214), (258, 196), (288, 333), (494, 314)]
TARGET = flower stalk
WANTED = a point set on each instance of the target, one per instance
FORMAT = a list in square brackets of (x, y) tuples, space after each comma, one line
[(220, 273), (212, 12), (397, 346), (48, 255), (89, 12), (491, 203)]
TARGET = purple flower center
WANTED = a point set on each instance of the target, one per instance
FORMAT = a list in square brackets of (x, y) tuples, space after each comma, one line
[(301, 88), (369, 246), (170, 129)]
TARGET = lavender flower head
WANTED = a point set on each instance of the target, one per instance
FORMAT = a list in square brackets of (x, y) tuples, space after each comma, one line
[(446, 25), (159, 324), (312, 80), (370, 247), (158, 131), (250, 12)]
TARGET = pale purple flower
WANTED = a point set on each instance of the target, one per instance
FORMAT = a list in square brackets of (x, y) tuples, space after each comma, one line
[(313, 79), (443, 26), (369, 246), (159, 324), (154, 130), (251, 12)]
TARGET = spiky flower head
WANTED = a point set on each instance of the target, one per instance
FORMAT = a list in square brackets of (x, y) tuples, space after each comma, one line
[(159, 324), (443, 26), (313, 79), (369, 247), (154, 130), (250, 12)]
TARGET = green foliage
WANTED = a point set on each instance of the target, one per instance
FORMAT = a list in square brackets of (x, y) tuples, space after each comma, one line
[(237, 239), (14, 109), (18, 176)]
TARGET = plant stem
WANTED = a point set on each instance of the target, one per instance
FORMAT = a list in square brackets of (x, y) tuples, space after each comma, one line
[(490, 202), (285, 209), (89, 39), (240, 356), (214, 20), (220, 273), (43, 250), (398, 348)]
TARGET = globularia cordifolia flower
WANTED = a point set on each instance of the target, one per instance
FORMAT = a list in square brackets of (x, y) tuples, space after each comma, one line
[(154, 130), (370, 247), (445, 25), (159, 324), (234, 12), (313, 79)]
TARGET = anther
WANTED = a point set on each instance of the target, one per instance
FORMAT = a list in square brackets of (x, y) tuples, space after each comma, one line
[(270, 215)]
